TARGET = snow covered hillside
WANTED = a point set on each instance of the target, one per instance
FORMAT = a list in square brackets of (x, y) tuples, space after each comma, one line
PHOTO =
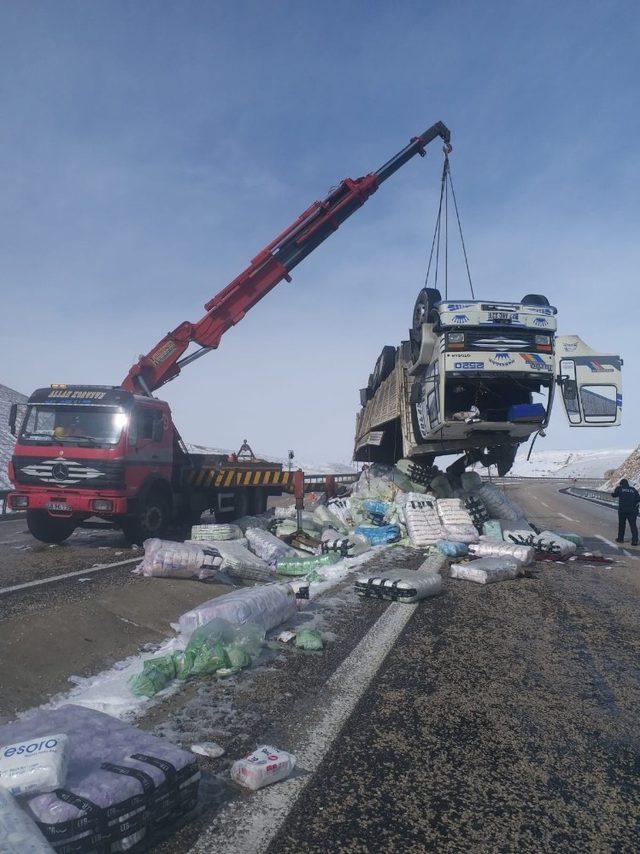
[(7, 397), (590, 464), (629, 468)]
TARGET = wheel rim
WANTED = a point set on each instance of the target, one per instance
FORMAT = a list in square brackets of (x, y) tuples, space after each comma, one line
[(152, 518)]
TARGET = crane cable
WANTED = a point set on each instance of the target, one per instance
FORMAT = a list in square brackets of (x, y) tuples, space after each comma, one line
[(446, 183)]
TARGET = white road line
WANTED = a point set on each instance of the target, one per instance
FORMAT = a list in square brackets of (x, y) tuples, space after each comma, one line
[(544, 504), (249, 826), (68, 575), (568, 518), (632, 556)]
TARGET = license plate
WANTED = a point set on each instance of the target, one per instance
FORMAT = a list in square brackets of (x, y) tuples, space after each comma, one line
[(59, 506), (503, 315)]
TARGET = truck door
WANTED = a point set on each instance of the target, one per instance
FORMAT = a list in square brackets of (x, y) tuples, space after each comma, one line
[(590, 383), (150, 438)]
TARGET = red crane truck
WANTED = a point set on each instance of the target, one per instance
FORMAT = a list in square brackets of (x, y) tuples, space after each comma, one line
[(114, 451)]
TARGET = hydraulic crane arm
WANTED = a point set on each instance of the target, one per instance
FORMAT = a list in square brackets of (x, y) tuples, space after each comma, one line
[(266, 270)]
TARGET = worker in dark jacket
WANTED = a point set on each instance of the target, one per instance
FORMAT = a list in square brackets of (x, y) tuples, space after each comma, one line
[(628, 503)]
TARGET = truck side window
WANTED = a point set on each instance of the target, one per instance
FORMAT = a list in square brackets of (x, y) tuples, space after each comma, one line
[(148, 421)]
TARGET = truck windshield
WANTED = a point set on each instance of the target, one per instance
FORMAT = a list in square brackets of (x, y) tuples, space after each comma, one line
[(93, 425)]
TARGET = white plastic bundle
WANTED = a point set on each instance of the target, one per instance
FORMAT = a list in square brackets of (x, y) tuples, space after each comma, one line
[(234, 553), (545, 541), (264, 766), (487, 570), (34, 765), (167, 559), (18, 833), (399, 585), (267, 546), (288, 512), (423, 522), (456, 521), (498, 504), (340, 508), (488, 547), (215, 532), (267, 605)]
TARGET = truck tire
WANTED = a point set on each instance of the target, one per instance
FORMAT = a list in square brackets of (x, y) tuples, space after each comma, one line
[(150, 519), (47, 528), (422, 313), (535, 299)]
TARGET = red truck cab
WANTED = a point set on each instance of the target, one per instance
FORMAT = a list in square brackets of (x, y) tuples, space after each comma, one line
[(87, 451)]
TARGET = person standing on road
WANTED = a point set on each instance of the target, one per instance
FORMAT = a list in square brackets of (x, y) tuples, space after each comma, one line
[(628, 503)]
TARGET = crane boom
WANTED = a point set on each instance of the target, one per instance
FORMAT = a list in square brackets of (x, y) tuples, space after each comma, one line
[(273, 264)]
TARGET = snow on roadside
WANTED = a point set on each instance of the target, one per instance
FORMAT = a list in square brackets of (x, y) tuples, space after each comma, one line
[(588, 464)]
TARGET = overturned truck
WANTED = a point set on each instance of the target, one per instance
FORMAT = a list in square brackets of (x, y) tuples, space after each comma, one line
[(478, 378)]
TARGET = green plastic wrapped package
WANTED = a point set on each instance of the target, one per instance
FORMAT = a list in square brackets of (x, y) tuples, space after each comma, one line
[(204, 657), (309, 639), (304, 565), (238, 656), (149, 682)]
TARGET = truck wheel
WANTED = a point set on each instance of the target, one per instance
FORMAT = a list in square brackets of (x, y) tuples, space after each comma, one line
[(47, 529), (150, 519), (422, 313)]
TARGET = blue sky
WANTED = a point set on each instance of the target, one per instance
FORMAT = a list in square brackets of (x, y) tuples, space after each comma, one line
[(148, 150)]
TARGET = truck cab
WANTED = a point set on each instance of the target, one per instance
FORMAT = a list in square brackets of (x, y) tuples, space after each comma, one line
[(87, 451), (479, 377)]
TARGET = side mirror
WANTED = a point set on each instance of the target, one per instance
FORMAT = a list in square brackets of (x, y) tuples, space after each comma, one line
[(13, 414)]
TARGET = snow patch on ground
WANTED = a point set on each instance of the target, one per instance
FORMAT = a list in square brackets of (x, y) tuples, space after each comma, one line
[(588, 464), (629, 468)]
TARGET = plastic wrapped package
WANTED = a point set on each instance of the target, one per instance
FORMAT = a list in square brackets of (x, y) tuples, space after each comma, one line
[(441, 487), (450, 548), (168, 559), (470, 480), (487, 570), (236, 557), (267, 606), (288, 512), (340, 509), (351, 546), (34, 765), (498, 504), (245, 522), (378, 481), (422, 520), (219, 645), (546, 542), (488, 547), (379, 535), (304, 565), (264, 766), (456, 521), (399, 585), (492, 528), (122, 783), (478, 512), (216, 532), (267, 546), (572, 538), (309, 639), (19, 834), (375, 508)]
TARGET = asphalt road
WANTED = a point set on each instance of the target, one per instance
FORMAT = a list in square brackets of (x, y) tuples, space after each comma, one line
[(504, 719)]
